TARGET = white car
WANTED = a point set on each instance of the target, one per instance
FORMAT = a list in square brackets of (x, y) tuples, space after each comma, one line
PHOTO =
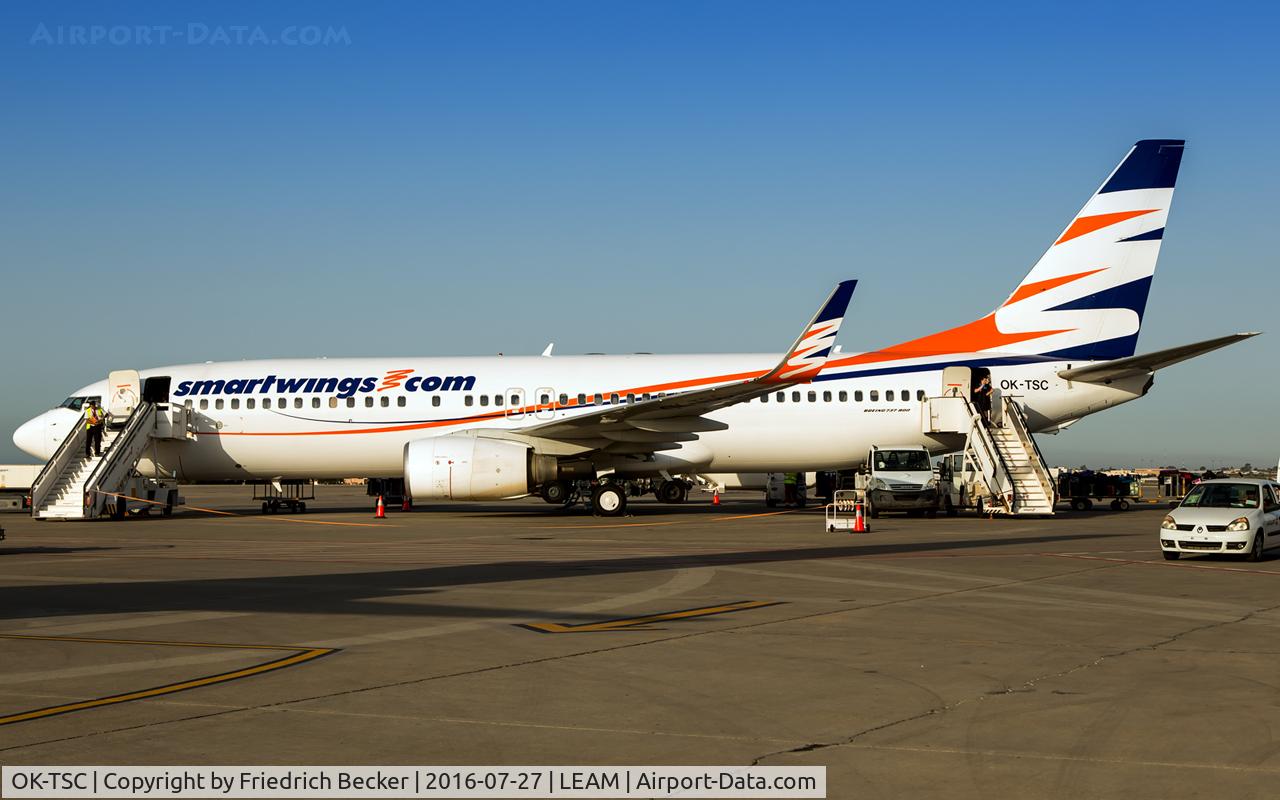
[(1227, 515)]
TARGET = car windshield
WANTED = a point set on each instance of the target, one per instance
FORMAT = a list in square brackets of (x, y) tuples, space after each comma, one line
[(902, 460), (1222, 495)]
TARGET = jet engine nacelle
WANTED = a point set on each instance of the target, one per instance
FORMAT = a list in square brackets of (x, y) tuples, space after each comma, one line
[(457, 467)]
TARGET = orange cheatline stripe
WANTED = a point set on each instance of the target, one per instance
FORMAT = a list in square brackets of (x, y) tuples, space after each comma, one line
[(1029, 289), (1082, 225), (976, 336)]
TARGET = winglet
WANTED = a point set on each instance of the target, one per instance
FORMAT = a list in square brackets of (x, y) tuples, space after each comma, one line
[(809, 354)]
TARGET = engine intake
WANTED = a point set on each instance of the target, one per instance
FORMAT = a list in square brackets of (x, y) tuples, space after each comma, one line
[(457, 467)]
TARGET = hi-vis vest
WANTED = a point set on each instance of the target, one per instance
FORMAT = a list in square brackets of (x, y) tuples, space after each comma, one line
[(92, 416)]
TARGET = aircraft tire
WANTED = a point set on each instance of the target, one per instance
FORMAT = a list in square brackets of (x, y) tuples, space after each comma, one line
[(609, 501)]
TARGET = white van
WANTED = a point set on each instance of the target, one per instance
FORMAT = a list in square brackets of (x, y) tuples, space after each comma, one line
[(900, 478)]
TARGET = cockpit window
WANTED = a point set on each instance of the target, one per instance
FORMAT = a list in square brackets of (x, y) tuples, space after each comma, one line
[(77, 403)]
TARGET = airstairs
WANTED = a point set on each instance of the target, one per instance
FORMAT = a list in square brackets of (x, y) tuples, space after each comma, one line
[(1005, 463), (75, 486)]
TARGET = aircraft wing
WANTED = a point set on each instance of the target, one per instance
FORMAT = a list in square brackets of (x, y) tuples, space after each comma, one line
[(1134, 366), (662, 423)]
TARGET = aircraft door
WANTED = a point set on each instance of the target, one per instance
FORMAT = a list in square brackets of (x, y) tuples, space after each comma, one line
[(545, 398), (956, 381), (123, 391), (156, 389)]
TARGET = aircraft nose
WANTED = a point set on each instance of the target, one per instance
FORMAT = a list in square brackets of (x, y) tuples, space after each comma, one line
[(31, 439)]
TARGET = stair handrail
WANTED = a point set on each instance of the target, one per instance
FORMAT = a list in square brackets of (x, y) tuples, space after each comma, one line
[(993, 454), (1024, 433), (93, 499), (57, 464)]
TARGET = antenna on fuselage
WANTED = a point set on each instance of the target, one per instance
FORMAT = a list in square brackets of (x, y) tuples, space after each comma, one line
[(547, 353)]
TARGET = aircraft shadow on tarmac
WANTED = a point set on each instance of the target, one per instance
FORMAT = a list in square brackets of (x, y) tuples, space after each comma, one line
[(354, 593)]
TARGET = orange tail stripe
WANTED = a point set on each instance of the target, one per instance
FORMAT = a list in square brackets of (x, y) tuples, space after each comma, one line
[(1083, 225)]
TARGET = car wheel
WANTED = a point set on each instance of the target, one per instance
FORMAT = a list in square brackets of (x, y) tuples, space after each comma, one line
[(1171, 555), (1115, 505), (1124, 505), (1259, 544)]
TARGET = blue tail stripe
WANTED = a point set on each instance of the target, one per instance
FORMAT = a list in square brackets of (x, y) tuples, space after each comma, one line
[(1153, 164), (839, 302), (1149, 236)]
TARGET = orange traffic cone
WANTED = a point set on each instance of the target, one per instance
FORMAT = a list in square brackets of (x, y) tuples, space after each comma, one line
[(381, 511), (406, 505), (715, 498), (859, 523)]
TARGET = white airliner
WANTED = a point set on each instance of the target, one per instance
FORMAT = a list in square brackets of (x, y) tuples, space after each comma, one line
[(503, 427)]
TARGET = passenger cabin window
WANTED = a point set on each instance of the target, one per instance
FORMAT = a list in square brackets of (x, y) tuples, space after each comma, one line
[(497, 399), (631, 398), (844, 397), (400, 401), (906, 395), (297, 402), (351, 402), (564, 399), (857, 396), (764, 398), (599, 400), (217, 404), (515, 400), (544, 399), (613, 399), (435, 399), (484, 399), (582, 399), (333, 402), (250, 403), (187, 403), (315, 402), (888, 396), (795, 397), (782, 397), (204, 405), (368, 402), (813, 397), (385, 402), (920, 394), (235, 402), (826, 397), (875, 395), (468, 400), (266, 402)]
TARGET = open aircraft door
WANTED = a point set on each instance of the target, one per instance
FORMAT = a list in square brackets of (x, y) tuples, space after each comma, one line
[(124, 388), (956, 381)]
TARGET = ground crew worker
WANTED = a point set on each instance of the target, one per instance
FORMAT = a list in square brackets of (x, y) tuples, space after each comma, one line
[(789, 480), (94, 421)]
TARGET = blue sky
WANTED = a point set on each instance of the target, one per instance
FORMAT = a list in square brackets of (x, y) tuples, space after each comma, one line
[(467, 178)]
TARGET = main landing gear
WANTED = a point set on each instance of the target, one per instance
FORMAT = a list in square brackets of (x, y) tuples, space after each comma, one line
[(608, 500)]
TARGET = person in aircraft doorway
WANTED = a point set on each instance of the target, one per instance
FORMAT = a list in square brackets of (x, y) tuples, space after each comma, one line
[(94, 421), (982, 399)]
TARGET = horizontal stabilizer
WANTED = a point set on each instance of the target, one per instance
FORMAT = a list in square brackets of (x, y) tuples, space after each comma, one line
[(1134, 366)]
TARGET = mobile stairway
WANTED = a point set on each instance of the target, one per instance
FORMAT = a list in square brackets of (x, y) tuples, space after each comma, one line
[(75, 486), (1002, 463)]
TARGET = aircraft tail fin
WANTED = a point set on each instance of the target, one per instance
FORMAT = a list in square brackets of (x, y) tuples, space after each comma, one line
[(1084, 299)]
